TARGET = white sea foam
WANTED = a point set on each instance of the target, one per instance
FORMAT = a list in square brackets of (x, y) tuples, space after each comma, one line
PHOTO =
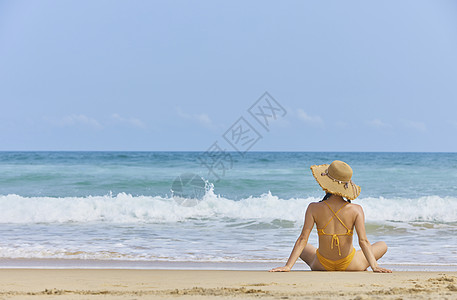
[(125, 208), (145, 228)]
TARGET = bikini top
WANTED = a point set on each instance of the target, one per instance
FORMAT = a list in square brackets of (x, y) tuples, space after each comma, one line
[(335, 238)]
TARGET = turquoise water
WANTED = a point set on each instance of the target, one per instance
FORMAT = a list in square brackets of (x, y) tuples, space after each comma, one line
[(285, 174), (119, 205)]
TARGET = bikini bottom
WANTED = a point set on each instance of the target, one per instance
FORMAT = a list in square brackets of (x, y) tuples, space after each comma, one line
[(336, 265)]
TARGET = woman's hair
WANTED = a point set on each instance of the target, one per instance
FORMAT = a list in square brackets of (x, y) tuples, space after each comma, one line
[(327, 195)]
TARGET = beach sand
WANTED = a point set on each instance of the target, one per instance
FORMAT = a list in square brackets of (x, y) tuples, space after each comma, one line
[(205, 284)]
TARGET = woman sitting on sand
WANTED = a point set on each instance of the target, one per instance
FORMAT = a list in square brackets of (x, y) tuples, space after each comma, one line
[(335, 220)]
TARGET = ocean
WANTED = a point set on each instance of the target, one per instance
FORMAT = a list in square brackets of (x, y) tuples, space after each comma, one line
[(176, 207)]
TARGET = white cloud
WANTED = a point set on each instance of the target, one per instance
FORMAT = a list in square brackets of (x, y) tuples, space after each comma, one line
[(203, 118), (80, 119), (419, 126), (83, 120), (379, 124), (313, 120), (130, 121)]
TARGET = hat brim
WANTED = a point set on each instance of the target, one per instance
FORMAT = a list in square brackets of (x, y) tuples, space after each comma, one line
[(334, 187)]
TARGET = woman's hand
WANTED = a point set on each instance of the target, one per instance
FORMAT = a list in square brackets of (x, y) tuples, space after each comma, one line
[(280, 269), (381, 270)]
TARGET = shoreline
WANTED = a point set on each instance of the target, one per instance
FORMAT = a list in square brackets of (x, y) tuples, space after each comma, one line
[(204, 284), (70, 264)]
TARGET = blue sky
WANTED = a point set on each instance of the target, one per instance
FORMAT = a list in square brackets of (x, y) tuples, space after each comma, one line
[(175, 75)]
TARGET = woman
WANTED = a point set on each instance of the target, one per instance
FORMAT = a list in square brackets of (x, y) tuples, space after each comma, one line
[(335, 220)]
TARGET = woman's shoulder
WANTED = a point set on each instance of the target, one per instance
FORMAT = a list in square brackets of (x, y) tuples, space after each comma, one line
[(350, 207), (315, 204), (355, 207)]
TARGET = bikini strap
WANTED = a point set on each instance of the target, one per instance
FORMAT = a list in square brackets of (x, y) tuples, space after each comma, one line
[(335, 215), (335, 239)]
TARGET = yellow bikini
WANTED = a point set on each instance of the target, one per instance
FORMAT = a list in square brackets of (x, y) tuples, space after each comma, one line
[(340, 264)]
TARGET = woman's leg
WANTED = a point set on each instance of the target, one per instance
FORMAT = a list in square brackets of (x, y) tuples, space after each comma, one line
[(308, 255), (360, 263)]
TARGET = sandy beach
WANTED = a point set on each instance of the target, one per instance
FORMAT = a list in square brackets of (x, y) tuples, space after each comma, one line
[(204, 284)]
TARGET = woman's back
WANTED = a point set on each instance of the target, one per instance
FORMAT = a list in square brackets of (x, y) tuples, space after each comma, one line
[(335, 221)]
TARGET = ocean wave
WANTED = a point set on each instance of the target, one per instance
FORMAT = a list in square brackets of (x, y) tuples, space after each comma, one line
[(126, 208), (31, 253)]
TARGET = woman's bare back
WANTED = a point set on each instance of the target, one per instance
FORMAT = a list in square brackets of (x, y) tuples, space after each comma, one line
[(324, 217)]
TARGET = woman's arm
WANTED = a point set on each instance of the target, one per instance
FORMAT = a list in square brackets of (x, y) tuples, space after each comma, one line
[(365, 244), (301, 242)]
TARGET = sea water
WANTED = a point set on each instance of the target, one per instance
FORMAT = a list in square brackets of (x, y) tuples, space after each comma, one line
[(119, 206)]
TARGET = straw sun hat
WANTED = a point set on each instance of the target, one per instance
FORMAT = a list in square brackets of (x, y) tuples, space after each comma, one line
[(336, 179)]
